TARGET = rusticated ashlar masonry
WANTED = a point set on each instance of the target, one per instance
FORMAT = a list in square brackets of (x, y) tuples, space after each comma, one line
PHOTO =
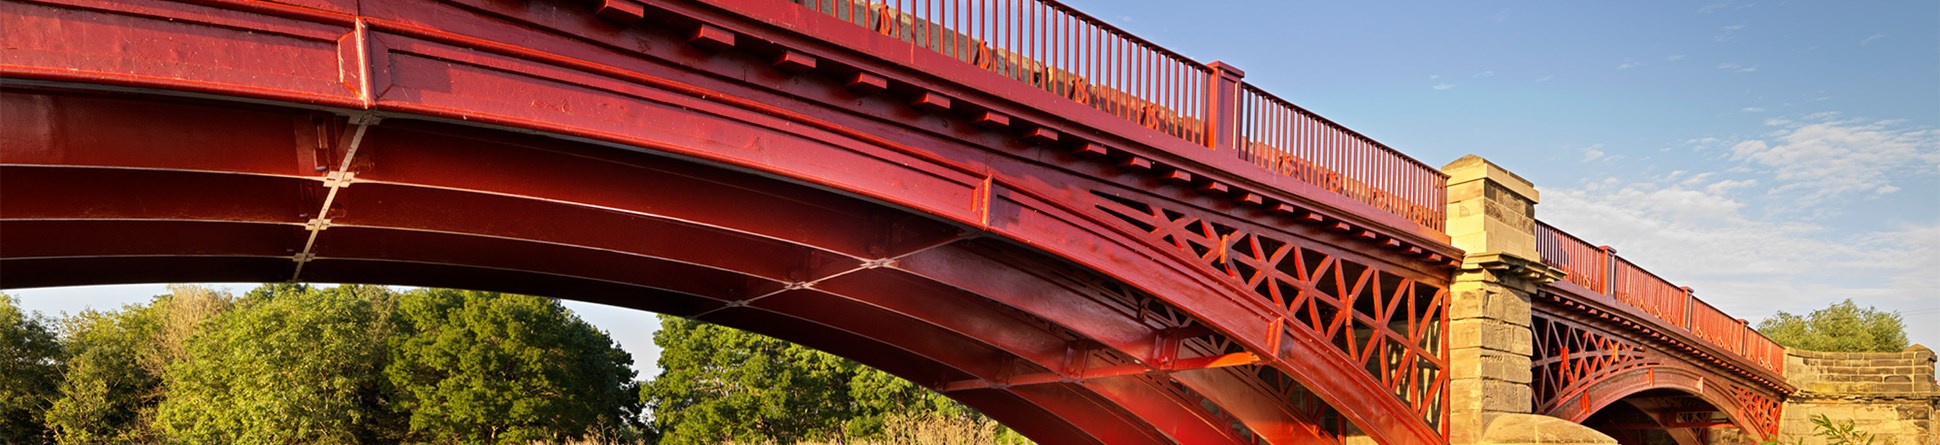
[(1890, 394), (1490, 216)]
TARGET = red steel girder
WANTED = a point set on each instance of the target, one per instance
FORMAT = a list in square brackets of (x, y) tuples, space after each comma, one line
[(366, 234)]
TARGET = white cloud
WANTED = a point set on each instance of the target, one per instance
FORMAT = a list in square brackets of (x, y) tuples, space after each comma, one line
[(1752, 110), (1869, 39), (1823, 156), (1629, 64), (1434, 76), (1728, 33), (1595, 153), (1485, 74), (1674, 57), (1737, 68), (1696, 233), (1444, 86)]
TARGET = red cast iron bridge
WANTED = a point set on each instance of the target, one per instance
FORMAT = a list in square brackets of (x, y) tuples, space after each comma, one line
[(1078, 232)]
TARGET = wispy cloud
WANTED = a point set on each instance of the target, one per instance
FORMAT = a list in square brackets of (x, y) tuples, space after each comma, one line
[(1546, 78), (1444, 86), (1674, 57), (1869, 39), (1500, 16), (1595, 153), (1728, 33), (1695, 230), (1485, 74), (1823, 156), (1629, 64), (1737, 68), (1752, 109)]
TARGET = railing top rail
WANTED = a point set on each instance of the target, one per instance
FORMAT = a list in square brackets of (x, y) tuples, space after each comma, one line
[(1255, 89), (1541, 225), (1633, 266)]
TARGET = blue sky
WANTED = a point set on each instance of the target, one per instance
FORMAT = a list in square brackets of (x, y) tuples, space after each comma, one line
[(1773, 155)]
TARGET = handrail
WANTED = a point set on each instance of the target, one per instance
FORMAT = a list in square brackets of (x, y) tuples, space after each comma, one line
[(1600, 270), (1292, 141), (1056, 48)]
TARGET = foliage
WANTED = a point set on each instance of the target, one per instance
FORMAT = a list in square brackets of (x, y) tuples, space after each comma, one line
[(115, 363), (287, 367), (484, 368), (1835, 432), (719, 384), (30, 357), (107, 395), (1842, 327)]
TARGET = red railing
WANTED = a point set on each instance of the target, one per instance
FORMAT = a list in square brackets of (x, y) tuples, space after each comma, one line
[(1052, 47), (1713, 325), (1585, 263), (1291, 141), (1600, 270), (1765, 352), (1644, 290), (1058, 49)]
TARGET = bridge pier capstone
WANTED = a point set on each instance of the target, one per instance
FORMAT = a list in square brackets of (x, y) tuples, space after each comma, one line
[(1491, 216)]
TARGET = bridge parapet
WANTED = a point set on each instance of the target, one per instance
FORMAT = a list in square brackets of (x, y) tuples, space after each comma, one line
[(1056, 48)]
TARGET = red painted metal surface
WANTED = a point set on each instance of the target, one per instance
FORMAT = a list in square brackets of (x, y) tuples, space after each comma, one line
[(1291, 141), (1600, 271), (1067, 256), (1055, 48), (1387, 321), (327, 151), (1588, 357)]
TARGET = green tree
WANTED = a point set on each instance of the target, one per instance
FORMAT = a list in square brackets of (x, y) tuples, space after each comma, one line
[(486, 368), (107, 396), (115, 365), (718, 384), (30, 370), (290, 364), (1842, 327)]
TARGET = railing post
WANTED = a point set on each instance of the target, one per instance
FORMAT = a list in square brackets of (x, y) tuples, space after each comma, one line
[(1609, 271), (1222, 106), (1744, 328), (1688, 308)]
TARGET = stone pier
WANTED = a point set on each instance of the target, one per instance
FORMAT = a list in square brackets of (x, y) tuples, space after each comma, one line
[(1491, 216)]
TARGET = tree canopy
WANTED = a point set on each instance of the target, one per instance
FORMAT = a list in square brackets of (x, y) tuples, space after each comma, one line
[(291, 367), (29, 372), (718, 384), (475, 367), (290, 363), (1842, 327)]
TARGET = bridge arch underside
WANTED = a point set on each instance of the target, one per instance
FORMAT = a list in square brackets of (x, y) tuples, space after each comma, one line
[(1646, 403), (1591, 367), (108, 188)]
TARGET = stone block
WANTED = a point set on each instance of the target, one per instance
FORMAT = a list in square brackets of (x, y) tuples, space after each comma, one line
[(1530, 429)]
